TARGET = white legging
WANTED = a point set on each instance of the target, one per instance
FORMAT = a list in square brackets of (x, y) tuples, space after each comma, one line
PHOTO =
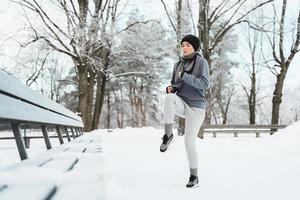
[(174, 105)]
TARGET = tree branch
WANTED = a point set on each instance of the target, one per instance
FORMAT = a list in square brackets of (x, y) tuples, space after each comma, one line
[(295, 46), (135, 23), (281, 31), (220, 34), (167, 12), (192, 18), (110, 75)]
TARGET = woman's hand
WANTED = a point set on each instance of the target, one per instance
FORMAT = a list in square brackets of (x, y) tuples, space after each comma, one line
[(169, 89)]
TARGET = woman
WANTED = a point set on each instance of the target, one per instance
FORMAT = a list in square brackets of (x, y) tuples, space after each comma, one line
[(186, 98)]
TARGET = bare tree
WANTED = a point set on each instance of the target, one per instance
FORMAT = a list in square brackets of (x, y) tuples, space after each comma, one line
[(225, 14), (222, 18), (224, 101), (252, 44), (78, 36), (83, 31), (282, 60), (213, 25)]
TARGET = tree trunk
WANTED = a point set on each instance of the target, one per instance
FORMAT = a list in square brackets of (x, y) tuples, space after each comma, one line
[(90, 99), (86, 91), (203, 28), (108, 110), (122, 110), (277, 96), (101, 84), (283, 63), (142, 105), (203, 31), (252, 113), (97, 101), (143, 108), (224, 119), (136, 112), (252, 99), (214, 115), (117, 104), (132, 105), (209, 106), (179, 26)]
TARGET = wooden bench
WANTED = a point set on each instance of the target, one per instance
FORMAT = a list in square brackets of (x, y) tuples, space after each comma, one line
[(71, 171), (235, 129), (21, 105), (241, 129)]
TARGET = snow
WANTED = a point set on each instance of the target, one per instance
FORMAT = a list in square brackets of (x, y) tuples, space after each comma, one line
[(230, 168)]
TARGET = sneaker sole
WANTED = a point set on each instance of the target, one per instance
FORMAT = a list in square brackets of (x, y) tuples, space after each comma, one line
[(195, 186)]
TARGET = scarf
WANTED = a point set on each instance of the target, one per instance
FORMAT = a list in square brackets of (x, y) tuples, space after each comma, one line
[(182, 65)]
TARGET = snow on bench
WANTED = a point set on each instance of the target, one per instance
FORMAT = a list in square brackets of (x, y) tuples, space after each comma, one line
[(21, 105), (70, 171)]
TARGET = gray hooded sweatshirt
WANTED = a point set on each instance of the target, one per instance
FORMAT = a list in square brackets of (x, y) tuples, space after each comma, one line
[(194, 82)]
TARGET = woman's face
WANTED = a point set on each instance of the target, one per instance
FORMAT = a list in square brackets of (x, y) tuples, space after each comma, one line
[(187, 48)]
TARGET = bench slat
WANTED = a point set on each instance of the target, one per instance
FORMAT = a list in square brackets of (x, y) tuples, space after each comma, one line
[(70, 171), (12, 109), (12, 86), (91, 184), (61, 164)]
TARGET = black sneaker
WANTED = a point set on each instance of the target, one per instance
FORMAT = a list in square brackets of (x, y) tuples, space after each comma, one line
[(166, 142), (193, 181)]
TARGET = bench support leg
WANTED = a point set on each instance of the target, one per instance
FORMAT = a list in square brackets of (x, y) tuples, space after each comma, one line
[(46, 137), (77, 135), (61, 141), (19, 140), (25, 139), (73, 133), (79, 131), (67, 133), (257, 134)]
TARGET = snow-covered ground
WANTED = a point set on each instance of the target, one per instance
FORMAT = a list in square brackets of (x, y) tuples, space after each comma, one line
[(243, 168)]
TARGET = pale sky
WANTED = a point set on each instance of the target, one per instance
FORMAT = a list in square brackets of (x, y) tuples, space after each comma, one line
[(12, 20)]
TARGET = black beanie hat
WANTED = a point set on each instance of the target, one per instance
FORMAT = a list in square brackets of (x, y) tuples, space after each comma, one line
[(193, 40)]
